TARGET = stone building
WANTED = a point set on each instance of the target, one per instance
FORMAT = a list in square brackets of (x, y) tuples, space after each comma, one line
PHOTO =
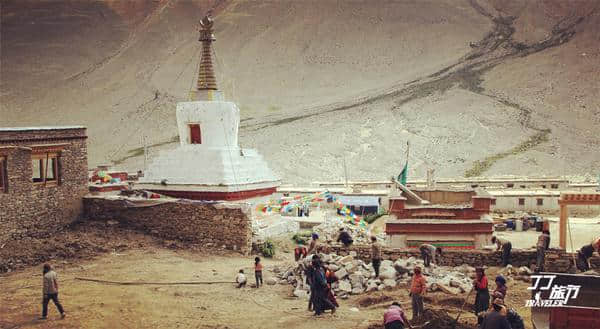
[(452, 219), (43, 177)]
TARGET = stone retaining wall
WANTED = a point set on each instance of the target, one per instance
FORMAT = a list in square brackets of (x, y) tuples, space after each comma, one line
[(556, 260), (215, 225)]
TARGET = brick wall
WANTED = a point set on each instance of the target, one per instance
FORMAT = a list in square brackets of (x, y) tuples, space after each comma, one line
[(35, 210), (556, 260), (212, 224)]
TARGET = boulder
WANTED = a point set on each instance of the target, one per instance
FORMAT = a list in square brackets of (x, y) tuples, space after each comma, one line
[(448, 290), (341, 273), (386, 263), (401, 269), (352, 253), (358, 290), (345, 286), (346, 259), (350, 267), (388, 273), (270, 281), (356, 279), (371, 286), (389, 283), (301, 293), (333, 267), (524, 270)]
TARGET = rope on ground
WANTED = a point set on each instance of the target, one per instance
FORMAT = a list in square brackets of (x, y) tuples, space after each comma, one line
[(139, 283)]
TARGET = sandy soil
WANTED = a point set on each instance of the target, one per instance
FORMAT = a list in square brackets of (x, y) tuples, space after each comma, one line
[(94, 305)]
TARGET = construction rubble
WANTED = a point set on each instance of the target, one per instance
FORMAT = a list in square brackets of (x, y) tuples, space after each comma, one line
[(330, 229), (357, 277)]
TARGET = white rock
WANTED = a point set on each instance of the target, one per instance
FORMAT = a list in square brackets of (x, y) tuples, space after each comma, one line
[(345, 286), (386, 263), (346, 259), (352, 253), (358, 290), (341, 273), (356, 279), (354, 309), (270, 281), (333, 267), (300, 293), (389, 283), (388, 273)]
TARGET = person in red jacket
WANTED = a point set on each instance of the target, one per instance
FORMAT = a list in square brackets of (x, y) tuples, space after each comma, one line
[(300, 252), (482, 299), (417, 290)]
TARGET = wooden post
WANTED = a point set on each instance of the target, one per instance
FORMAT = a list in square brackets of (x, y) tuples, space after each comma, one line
[(564, 217)]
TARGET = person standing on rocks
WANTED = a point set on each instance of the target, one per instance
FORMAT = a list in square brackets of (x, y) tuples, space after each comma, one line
[(482, 298), (313, 247), (506, 246), (428, 253), (375, 255), (394, 317), (50, 292), (543, 243), (418, 287), (300, 252), (345, 238)]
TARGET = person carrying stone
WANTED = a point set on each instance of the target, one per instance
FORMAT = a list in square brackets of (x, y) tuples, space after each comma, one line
[(428, 253), (345, 237), (375, 255), (583, 257), (50, 291), (394, 317), (543, 243), (506, 246), (418, 287), (482, 297)]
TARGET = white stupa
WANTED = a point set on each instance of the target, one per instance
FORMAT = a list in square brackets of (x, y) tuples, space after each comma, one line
[(208, 164)]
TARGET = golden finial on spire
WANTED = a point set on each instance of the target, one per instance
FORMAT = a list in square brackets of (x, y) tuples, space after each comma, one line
[(206, 74)]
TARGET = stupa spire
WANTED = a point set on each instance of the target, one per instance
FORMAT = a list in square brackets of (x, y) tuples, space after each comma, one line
[(206, 74)]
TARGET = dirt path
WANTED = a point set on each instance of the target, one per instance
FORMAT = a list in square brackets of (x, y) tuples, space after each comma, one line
[(95, 305)]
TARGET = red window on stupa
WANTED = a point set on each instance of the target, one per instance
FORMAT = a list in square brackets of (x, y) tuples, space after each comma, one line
[(195, 135)]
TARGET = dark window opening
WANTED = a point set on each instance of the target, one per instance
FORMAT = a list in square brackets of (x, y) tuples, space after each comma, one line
[(540, 202), (3, 176), (521, 201), (493, 202), (510, 185), (543, 186), (474, 186), (554, 186), (523, 186), (195, 134)]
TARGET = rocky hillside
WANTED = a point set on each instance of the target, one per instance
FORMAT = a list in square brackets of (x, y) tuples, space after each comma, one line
[(476, 86)]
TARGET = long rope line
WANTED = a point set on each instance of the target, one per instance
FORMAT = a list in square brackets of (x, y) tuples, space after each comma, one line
[(235, 181)]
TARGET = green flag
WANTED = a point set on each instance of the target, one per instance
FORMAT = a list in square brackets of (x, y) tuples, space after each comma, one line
[(404, 174)]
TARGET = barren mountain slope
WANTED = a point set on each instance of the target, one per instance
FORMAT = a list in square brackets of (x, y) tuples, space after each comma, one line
[(364, 72)]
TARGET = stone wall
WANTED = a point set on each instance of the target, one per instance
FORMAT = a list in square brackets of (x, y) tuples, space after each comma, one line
[(556, 260), (29, 209), (215, 225)]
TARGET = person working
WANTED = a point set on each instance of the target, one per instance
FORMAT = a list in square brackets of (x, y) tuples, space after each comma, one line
[(495, 319), (543, 243), (300, 252), (482, 298), (583, 257), (394, 317), (506, 246), (345, 237), (375, 255), (313, 247), (500, 287), (428, 253), (417, 290)]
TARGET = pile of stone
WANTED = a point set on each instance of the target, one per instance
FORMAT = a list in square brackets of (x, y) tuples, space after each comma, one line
[(357, 277), (516, 273), (330, 229)]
